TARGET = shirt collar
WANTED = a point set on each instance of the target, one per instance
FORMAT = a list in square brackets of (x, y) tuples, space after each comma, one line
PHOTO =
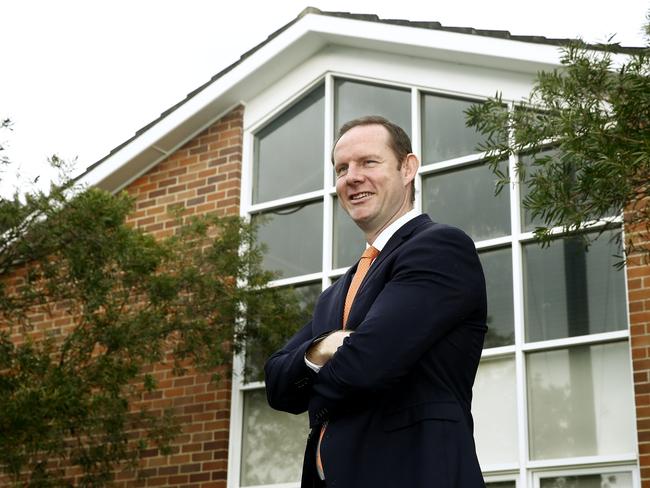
[(385, 235)]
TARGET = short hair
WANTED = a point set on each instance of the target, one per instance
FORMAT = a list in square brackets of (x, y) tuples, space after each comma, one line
[(398, 140)]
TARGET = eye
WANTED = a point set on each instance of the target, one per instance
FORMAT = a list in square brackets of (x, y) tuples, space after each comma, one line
[(370, 162), (341, 170)]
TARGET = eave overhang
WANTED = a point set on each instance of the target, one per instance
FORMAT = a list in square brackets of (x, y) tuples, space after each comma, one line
[(290, 47)]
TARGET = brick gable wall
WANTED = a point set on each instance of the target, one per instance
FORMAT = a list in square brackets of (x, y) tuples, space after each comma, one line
[(201, 177), (638, 284)]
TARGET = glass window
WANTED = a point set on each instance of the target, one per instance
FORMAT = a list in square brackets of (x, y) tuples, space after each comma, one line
[(273, 442), (497, 267), (570, 291), (294, 239), (465, 198), (607, 480), (444, 133), (580, 401), (354, 99), (289, 151), (258, 349), (527, 221), (349, 241), (494, 408)]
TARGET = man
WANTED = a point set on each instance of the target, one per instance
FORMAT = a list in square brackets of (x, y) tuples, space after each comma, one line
[(387, 377)]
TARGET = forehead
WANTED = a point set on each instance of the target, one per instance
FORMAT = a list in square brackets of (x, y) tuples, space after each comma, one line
[(362, 140)]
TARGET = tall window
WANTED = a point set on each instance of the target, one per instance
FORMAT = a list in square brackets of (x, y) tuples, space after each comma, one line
[(553, 402)]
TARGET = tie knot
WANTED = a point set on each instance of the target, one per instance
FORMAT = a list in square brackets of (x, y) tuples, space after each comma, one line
[(371, 252)]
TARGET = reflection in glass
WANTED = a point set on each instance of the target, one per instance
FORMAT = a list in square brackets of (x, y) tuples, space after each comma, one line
[(497, 267), (527, 221), (258, 349), (293, 237), (354, 99), (348, 240), (494, 408), (580, 402), (570, 292), (444, 133), (289, 151), (607, 480), (272, 442), (465, 198)]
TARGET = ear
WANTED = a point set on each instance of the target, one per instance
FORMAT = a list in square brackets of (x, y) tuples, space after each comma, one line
[(409, 168)]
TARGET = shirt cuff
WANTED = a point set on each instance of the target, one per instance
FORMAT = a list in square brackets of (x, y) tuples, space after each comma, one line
[(312, 366)]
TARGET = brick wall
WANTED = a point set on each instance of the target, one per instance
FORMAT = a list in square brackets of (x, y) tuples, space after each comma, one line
[(201, 177), (638, 283)]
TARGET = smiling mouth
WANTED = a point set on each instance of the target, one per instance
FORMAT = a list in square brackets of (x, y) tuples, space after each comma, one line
[(360, 196)]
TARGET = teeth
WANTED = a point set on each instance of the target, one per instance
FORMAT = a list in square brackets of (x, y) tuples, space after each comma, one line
[(360, 195)]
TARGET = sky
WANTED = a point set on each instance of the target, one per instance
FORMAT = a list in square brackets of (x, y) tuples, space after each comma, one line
[(79, 77)]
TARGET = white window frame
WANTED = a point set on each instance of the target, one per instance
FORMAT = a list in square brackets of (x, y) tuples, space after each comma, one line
[(525, 471)]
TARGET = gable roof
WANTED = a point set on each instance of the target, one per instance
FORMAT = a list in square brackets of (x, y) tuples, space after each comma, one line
[(139, 153)]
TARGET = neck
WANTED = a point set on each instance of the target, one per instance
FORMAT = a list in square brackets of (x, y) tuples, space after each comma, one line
[(372, 235)]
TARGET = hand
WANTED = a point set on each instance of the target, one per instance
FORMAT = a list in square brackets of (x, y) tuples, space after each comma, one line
[(322, 351)]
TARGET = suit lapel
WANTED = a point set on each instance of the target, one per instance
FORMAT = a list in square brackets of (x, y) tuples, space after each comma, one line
[(401, 235)]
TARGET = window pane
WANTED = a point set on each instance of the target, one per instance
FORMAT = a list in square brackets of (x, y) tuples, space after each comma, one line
[(580, 402), (349, 241), (465, 198), (494, 408), (527, 221), (294, 239), (444, 134), (501, 484), (608, 480), (273, 442), (289, 151), (355, 99), (260, 348), (497, 267), (570, 292)]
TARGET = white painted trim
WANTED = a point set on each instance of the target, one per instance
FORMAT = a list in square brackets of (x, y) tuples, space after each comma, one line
[(614, 336), (416, 143), (496, 242), (295, 280), (253, 385), (286, 201), (583, 465)]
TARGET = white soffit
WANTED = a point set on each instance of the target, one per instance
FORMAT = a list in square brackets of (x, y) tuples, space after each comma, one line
[(289, 49)]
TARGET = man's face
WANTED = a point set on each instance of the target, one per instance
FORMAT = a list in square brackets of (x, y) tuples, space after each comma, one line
[(370, 187)]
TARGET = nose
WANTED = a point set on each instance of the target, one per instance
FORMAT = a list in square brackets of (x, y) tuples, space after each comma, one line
[(354, 175)]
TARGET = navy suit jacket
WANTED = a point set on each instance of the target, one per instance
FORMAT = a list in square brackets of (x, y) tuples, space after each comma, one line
[(397, 394)]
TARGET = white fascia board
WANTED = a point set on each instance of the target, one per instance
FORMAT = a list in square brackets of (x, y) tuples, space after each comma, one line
[(220, 96), (444, 45), (290, 48)]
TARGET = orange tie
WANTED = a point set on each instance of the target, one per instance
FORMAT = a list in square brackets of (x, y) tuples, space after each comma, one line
[(362, 269), (366, 260)]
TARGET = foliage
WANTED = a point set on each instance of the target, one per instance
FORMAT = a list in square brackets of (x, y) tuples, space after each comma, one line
[(123, 302), (594, 113)]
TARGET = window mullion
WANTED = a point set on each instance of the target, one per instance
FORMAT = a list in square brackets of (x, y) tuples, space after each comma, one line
[(328, 199), (416, 142), (518, 305)]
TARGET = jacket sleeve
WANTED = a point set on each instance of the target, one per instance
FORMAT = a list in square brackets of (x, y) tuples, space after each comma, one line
[(437, 281), (288, 378)]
